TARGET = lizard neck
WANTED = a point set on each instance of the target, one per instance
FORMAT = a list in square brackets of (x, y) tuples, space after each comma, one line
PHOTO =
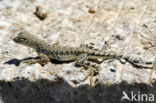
[(35, 43)]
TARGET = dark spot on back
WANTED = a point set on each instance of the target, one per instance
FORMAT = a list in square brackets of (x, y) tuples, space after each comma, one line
[(61, 53), (67, 53)]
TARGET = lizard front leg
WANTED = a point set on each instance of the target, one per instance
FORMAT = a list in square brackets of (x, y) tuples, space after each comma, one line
[(42, 60), (91, 69)]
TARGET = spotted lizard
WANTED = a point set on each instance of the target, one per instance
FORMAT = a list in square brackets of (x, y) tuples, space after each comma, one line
[(81, 55)]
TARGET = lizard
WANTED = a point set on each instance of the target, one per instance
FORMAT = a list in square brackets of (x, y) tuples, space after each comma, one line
[(81, 55)]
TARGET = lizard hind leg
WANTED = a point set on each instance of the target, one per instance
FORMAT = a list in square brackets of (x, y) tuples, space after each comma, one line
[(91, 70)]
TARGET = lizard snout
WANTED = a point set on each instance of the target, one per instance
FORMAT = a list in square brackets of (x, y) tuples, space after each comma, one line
[(15, 40)]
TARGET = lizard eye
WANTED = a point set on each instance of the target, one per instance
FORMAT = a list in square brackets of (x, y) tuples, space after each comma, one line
[(21, 40)]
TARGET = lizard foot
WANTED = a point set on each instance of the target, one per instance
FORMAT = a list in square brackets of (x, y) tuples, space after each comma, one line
[(91, 72), (91, 69)]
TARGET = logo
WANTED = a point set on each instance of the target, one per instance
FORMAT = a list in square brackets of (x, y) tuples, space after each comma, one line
[(137, 97), (125, 96)]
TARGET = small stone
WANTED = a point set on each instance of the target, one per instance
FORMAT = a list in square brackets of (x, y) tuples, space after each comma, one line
[(40, 12), (91, 10), (112, 69)]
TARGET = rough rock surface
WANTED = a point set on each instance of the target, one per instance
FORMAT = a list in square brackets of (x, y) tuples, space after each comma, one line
[(125, 27)]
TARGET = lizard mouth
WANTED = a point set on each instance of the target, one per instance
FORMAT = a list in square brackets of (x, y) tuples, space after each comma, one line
[(15, 40)]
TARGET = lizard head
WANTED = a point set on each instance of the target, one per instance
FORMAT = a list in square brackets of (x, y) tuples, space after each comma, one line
[(21, 38), (29, 40), (24, 38)]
